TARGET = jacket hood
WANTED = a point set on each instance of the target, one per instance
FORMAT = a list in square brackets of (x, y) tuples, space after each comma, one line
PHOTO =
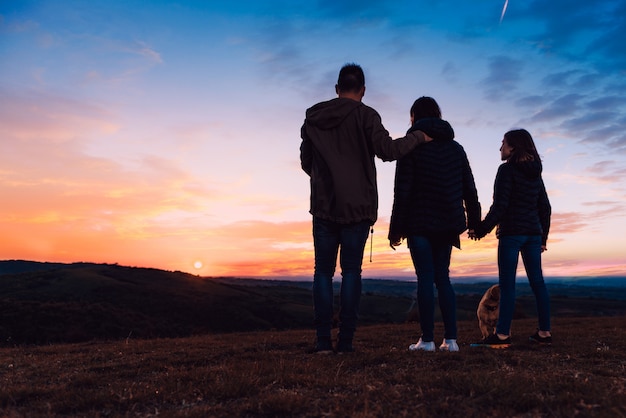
[(434, 127), (330, 114), (530, 169)]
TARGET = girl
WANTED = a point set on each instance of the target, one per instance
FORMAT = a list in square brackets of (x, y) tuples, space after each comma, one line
[(521, 210)]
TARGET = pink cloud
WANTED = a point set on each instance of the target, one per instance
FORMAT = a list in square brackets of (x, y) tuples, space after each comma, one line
[(566, 223)]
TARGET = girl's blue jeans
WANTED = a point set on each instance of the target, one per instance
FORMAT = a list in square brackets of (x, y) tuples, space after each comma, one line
[(509, 248), (431, 260)]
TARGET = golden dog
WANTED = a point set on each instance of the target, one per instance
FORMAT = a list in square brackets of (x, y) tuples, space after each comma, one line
[(488, 311)]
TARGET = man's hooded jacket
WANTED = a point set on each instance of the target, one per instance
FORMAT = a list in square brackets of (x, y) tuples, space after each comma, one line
[(340, 139)]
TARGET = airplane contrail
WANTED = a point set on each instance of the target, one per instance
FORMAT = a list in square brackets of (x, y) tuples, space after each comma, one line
[(506, 3)]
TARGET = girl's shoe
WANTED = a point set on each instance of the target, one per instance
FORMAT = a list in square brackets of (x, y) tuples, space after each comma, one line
[(536, 338), (449, 345), (422, 346)]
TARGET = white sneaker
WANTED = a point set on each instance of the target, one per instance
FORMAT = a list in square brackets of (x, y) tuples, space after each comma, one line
[(422, 346), (449, 345)]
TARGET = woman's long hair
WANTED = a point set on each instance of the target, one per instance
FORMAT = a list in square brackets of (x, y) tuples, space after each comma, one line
[(523, 146), (425, 107)]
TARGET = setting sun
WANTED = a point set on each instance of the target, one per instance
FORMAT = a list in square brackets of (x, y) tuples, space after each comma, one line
[(197, 264)]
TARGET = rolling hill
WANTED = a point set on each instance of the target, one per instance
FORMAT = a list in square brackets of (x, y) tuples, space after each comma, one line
[(44, 303), (80, 302)]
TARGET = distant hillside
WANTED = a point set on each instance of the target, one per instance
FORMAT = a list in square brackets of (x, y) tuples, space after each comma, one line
[(90, 301), (49, 302), (23, 266)]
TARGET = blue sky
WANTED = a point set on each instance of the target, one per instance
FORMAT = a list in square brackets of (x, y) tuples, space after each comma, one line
[(166, 134)]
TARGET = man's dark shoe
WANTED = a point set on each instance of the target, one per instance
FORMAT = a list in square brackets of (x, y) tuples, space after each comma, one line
[(323, 346), (493, 341), (345, 346), (536, 338)]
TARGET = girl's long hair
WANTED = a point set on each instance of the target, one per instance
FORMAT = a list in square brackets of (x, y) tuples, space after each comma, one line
[(425, 107), (523, 146)]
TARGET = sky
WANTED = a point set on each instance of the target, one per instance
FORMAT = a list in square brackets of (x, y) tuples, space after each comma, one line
[(166, 134)]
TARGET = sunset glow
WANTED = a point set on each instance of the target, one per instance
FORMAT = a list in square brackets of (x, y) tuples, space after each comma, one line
[(168, 136)]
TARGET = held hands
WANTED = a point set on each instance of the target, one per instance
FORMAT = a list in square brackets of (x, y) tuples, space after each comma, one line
[(395, 242), (476, 234), (472, 235)]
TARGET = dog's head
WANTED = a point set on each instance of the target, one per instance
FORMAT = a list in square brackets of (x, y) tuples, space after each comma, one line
[(493, 294)]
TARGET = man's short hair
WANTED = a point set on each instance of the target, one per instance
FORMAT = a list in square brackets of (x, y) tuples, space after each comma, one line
[(351, 78)]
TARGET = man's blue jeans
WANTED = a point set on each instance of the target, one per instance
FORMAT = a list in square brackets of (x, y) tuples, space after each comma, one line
[(328, 238), (509, 248), (431, 260)]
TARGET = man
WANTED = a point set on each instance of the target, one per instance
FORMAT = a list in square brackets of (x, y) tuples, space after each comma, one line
[(340, 139)]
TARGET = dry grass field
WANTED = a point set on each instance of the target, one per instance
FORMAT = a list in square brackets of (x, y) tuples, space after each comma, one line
[(272, 374)]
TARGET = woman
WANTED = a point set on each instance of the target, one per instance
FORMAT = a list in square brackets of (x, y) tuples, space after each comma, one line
[(434, 187), (521, 210)]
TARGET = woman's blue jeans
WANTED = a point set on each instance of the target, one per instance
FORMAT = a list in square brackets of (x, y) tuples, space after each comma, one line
[(431, 260), (509, 248), (330, 238)]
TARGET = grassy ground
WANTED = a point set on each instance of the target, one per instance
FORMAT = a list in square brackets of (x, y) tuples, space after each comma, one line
[(271, 374)]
